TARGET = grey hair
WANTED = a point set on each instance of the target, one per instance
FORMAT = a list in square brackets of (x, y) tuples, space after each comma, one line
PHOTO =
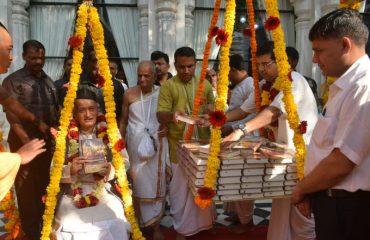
[(147, 62)]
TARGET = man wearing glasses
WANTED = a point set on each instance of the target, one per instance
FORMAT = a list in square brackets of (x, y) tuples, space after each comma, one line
[(286, 222)]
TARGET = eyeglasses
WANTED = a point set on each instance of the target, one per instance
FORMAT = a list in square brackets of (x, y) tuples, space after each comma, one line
[(264, 64)]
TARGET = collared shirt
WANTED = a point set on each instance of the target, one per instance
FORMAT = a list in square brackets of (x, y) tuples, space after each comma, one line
[(38, 95), (306, 107), (175, 95), (345, 125)]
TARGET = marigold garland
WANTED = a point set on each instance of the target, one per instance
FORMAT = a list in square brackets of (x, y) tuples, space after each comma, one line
[(66, 113), (87, 12), (213, 162), (253, 45), (10, 210), (212, 32), (352, 4), (282, 83)]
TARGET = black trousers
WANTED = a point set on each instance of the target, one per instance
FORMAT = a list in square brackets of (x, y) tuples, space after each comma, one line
[(30, 185), (342, 217)]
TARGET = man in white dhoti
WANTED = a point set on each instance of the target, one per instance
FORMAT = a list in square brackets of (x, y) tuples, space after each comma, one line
[(286, 222), (147, 147), (87, 209), (176, 98)]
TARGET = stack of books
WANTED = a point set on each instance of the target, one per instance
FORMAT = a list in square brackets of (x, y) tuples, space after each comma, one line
[(252, 168)]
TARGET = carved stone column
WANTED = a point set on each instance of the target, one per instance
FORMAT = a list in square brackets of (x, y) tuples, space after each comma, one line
[(20, 30), (189, 22), (303, 23), (166, 11), (144, 52)]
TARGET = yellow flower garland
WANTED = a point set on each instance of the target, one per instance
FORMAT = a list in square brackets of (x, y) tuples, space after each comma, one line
[(283, 83), (87, 12), (352, 4), (66, 113), (213, 162), (97, 35)]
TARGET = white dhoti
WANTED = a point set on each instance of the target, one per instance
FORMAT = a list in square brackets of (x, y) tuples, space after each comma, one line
[(105, 221), (287, 223), (188, 218), (148, 174)]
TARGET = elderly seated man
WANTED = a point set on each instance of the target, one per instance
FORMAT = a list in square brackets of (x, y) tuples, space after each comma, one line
[(87, 209)]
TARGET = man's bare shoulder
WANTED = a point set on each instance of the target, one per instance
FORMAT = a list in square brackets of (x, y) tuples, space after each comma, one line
[(132, 94)]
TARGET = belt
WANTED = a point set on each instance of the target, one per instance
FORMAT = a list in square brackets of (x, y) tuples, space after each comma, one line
[(340, 193)]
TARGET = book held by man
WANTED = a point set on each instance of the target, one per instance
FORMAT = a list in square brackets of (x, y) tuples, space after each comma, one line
[(94, 151)]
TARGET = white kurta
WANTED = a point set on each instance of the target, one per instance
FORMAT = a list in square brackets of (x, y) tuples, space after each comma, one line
[(149, 174), (105, 221), (286, 222)]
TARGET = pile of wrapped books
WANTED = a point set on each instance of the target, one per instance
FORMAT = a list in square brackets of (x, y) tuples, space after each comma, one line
[(252, 168)]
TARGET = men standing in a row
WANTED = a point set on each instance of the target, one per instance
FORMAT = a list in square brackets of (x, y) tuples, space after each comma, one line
[(147, 147), (35, 90), (176, 97), (162, 64)]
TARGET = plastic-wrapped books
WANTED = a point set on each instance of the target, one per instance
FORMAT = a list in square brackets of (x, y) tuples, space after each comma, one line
[(249, 169)]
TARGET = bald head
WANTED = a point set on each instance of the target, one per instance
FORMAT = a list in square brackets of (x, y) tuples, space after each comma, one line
[(6, 47), (146, 74)]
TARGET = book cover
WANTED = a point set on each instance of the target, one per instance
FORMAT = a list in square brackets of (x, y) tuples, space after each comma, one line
[(94, 151)]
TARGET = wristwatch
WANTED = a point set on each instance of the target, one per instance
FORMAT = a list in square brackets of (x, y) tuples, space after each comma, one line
[(242, 127)]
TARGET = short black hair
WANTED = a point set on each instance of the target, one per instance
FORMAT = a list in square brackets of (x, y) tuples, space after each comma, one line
[(184, 52), (266, 48), (341, 23), (292, 53), (32, 44), (2, 25), (158, 55), (237, 62)]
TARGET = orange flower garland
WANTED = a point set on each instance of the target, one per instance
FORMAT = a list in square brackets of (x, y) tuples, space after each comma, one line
[(212, 31), (13, 225), (205, 194)]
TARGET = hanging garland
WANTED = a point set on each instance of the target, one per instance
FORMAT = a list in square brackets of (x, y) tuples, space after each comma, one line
[(10, 210), (87, 13), (352, 4), (251, 32), (212, 32), (97, 35), (206, 193), (283, 83)]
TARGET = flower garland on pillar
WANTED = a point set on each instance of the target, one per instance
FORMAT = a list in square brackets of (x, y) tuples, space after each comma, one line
[(88, 14), (212, 31), (10, 210), (206, 193), (283, 83), (97, 34)]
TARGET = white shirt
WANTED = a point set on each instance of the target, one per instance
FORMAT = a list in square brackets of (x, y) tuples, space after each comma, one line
[(307, 111), (241, 92), (346, 126)]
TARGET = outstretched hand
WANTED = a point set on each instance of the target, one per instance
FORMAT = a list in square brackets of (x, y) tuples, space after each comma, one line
[(30, 150)]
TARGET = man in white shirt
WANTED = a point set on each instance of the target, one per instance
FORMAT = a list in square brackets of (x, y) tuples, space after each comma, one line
[(286, 222), (338, 157)]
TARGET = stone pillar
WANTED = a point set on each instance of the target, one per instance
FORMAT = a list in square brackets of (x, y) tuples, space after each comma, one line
[(166, 11), (144, 53), (328, 6), (20, 31), (189, 22), (303, 23)]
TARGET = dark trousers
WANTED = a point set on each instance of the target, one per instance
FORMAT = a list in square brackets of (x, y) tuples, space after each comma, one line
[(342, 217), (30, 185)]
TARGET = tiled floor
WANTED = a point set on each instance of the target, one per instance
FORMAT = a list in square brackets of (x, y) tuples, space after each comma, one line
[(261, 215)]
